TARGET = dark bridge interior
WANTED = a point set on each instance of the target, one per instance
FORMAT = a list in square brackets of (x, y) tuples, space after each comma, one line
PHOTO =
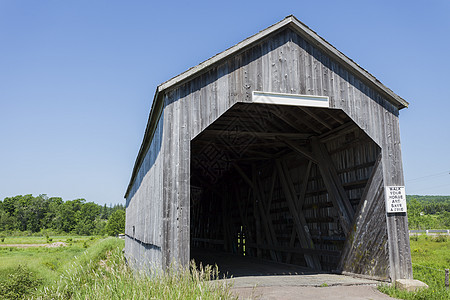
[(278, 183)]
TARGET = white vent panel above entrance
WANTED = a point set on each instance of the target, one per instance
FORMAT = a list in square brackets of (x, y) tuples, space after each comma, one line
[(290, 99)]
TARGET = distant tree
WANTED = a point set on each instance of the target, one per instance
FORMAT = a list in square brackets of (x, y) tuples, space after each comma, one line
[(7, 222), (414, 213), (23, 210), (428, 212), (87, 216), (105, 213), (28, 213), (9, 204), (100, 227), (68, 214), (116, 223), (54, 205)]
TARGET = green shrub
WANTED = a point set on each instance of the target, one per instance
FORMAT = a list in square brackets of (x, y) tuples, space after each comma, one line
[(19, 283), (51, 265), (440, 238)]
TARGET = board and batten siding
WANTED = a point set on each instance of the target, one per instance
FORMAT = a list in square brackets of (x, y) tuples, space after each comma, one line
[(143, 224), (366, 250), (282, 62)]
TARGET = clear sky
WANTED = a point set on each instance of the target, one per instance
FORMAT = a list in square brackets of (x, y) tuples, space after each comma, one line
[(77, 79)]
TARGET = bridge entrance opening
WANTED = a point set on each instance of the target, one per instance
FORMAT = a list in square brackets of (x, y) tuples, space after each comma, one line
[(278, 188)]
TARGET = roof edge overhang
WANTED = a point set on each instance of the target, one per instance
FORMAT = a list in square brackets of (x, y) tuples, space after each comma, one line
[(289, 22)]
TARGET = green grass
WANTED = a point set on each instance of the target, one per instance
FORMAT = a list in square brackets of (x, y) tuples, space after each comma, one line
[(430, 257), (47, 263), (43, 240), (99, 272)]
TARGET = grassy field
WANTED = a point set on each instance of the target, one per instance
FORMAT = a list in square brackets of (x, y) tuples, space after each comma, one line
[(46, 263), (430, 257), (94, 268), (44, 240)]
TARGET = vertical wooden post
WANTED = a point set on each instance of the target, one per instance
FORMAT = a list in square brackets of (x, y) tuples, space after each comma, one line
[(225, 224), (301, 199), (297, 216), (446, 278), (397, 223), (266, 220), (258, 229)]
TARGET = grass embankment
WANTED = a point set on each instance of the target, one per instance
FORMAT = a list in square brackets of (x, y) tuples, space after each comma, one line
[(430, 257), (46, 263), (100, 272)]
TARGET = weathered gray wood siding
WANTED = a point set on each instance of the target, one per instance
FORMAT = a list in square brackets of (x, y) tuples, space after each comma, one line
[(176, 190), (366, 249), (283, 62), (143, 224)]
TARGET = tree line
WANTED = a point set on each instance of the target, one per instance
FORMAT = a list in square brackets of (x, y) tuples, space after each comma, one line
[(35, 214), (428, 212)]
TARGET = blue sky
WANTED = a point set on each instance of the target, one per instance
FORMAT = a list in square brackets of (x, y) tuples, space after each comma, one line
[(77, 79)]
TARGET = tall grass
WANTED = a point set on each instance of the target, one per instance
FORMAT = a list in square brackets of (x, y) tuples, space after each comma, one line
[(430, 256), (101, 273)]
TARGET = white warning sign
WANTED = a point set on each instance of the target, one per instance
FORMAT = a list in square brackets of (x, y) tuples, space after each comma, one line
[(395, 199)]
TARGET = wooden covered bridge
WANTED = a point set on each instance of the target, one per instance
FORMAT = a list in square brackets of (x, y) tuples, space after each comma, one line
[(279, 148)]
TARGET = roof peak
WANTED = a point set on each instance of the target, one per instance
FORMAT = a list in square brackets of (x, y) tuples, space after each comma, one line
[(307, 33)]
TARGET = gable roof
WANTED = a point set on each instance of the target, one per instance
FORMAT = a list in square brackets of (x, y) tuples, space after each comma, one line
[(289, 22), (312, 37)]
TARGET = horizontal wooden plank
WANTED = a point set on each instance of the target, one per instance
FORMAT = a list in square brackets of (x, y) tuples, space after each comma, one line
[(295, 250)]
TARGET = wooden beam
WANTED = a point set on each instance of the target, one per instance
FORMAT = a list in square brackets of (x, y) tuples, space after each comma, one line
[(297, 216), (204, 141), (310, 125), (299, 149), (333, 185), (368, 227), (338, 131), (283, 118), (258, 134), (331, 115), (242, 208), (291, 244), (292, 124), (301, 199), (208, 186), (225, 219), (297, 250), (267, 221), (259, 153), (266, 217), (209, 241), (272, 187), (241, 211), (243, 175), (315, 117), (257, 228), (305, 179)]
